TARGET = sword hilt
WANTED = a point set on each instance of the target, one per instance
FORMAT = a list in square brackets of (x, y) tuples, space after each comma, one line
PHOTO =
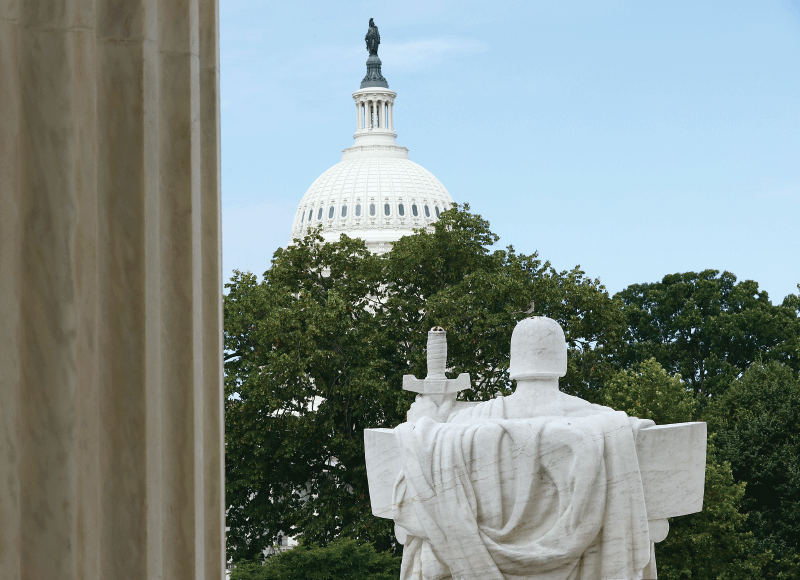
[(436, 384), (437, 353)]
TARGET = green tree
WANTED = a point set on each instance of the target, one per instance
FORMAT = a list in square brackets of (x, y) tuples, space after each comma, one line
[(342, 559), (449, 277), (316, 352), (303, 378), (648, 392), (707, 327), (757, 422), (711, 544)]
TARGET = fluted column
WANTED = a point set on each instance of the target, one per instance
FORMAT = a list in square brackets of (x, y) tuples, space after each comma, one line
[(358, 115), (111, 452), (391, 115)]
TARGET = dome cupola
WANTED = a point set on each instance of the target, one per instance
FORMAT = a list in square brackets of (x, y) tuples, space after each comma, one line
[(375, 192)]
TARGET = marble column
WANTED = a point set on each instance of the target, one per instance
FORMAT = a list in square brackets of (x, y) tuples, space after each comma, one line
[(111, 450), (358, 116)]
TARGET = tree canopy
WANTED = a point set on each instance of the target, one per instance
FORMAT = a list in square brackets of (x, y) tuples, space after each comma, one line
[(707, 327), (648, 392), (342, 559), (315, 353), (757, 422)]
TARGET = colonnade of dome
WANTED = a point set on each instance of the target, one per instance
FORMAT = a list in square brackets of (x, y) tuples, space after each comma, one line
[(375, 192)]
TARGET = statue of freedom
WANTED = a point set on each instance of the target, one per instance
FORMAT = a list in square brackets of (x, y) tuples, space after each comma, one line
[(373, 38)]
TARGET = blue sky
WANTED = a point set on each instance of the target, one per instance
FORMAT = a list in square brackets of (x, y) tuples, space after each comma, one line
[(635, 139)]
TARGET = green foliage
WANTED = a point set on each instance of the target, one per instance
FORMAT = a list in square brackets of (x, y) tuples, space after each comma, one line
[(707, 327), (342, 559), (316, 353), (303, 378), (712, 544), (450, 278), (757, 422), (648, 392)]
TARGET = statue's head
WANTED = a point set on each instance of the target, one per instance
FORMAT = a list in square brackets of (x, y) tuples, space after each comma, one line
[(538, 349), (371, 22)]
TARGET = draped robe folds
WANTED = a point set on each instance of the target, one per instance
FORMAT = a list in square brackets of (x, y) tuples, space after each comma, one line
[(554, 497), (373, 39)]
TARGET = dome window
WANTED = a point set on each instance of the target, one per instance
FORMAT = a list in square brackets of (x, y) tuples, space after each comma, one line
[(386, 209), (414, 211), (437, 211), (358, 209), (344, 211), (372, 209), (401, 210), (330, 213), (302, 216), (319, 214), (310, 214), (427, 211)]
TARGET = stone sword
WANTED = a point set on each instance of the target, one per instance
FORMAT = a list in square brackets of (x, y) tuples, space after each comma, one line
[(436, 384)]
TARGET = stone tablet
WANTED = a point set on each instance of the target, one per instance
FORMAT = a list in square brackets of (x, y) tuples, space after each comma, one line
[(672, 461)]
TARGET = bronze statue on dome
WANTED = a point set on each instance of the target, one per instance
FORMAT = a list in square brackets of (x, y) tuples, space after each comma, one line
[(373, 38)]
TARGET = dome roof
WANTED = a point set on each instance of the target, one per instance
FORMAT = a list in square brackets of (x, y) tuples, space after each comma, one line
[(376, 192), (373, 197)]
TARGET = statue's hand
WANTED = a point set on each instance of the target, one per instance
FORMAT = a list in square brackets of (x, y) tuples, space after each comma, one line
[(446, 408), (422, 406)]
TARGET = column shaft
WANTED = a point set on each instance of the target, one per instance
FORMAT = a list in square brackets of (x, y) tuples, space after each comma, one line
[(111, 447)]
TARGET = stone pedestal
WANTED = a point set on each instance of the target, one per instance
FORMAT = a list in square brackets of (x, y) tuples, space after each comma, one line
[(111, 454)]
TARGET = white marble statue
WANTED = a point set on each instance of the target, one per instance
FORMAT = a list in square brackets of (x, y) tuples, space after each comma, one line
[(537, 484)]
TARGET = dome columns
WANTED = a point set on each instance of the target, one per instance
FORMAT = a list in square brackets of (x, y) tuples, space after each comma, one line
[(374, 116), (374, 113)]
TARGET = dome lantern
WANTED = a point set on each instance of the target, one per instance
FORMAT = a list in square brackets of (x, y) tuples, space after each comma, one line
[(376, 192)]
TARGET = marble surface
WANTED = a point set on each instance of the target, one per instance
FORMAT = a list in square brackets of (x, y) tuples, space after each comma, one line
[(672, 461), (110, 290), (672, 466), (537, 484)]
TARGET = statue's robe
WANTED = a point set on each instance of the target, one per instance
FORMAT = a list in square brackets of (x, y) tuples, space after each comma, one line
[(553, 496), (373, 39)]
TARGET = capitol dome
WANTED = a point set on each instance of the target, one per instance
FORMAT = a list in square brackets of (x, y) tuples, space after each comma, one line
[(375, 192)]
